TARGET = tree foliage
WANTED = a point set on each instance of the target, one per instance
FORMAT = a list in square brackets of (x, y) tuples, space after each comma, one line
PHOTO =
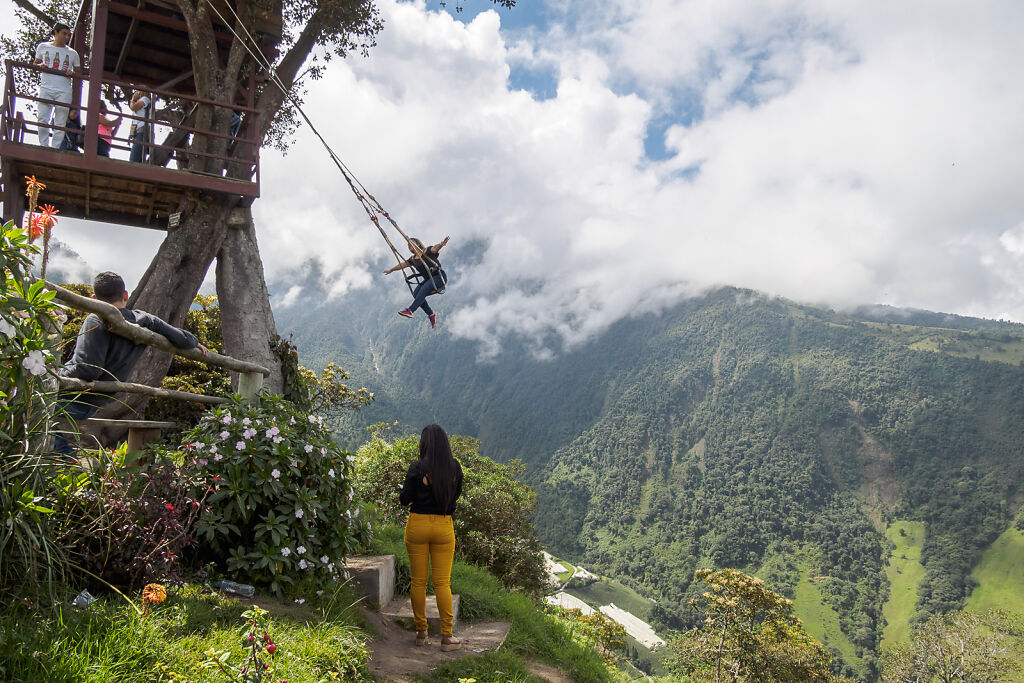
[(959, 647), (748, 633), (492, 520)]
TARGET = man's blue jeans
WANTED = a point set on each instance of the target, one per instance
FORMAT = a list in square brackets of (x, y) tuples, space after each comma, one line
[(422, 291), (74, 411), (138, 153)]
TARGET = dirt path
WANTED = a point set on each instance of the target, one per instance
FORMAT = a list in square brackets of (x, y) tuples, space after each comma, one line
[(396, 657)]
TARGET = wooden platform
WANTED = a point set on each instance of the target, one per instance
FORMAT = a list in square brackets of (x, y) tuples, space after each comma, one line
[(110, 190)]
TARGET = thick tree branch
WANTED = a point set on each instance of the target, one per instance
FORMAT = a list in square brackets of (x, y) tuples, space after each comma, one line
[(36, 12)]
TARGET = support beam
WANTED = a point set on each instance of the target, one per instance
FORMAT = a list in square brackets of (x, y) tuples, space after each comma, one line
[(75, 384)]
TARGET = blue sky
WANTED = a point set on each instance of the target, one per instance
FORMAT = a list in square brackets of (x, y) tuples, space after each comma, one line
[(827, 151)]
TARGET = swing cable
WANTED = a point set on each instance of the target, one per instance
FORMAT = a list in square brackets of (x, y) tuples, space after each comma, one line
[(370, 204)]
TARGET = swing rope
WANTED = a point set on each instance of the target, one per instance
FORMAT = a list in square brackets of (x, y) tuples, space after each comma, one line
[(371, 206)]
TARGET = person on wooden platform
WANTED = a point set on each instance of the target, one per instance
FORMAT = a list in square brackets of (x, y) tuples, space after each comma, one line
[(432, 485), (102, 355), (105, 127), (55, 83), (141, 105)]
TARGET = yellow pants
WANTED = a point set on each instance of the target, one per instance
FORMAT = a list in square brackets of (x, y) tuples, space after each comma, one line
[(431, 537)]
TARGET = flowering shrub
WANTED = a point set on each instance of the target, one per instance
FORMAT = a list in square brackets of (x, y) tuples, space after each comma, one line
[(128, 525), (280, 493), (28, 319)]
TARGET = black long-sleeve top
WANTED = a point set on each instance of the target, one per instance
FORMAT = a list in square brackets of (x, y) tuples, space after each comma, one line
[(102, 355), (421, 496)]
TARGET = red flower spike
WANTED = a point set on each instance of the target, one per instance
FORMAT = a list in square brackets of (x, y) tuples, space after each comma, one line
[(49, 215), (169, 507)]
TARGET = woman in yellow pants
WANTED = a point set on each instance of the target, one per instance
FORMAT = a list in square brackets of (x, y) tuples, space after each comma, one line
[(432, 485)]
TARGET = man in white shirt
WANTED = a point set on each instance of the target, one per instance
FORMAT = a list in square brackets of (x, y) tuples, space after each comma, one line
[(55, 84), (140, 106)]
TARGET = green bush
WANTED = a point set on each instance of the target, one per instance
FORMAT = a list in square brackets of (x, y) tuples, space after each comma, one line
[(28, 345), (492, 520), (280, 493)]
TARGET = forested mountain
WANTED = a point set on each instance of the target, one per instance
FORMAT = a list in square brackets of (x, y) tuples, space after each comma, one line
[(732, 430)]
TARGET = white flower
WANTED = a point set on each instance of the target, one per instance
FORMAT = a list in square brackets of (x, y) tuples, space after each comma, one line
[(285, 552), (218, 457), (312, 419), (330, 473), (202, 461), (295, 463), (7, 329), (275, 473), (273, 431), (200, 446), (352, 494), (308, 448), (224, 435), (350, 458), (246, 422), (356, 513), (278, 439), (299, 601), (319, 593), (301, 549), (240, 446), (323, 451), (302, 565), (330, 567), (324, 559), (213, 448), (226, 419), (319, 420), (291, 421), (299, 513), (249, 433), (34, 362)]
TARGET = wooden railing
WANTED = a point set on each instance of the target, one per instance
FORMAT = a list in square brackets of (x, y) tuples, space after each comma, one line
[(241, 160)]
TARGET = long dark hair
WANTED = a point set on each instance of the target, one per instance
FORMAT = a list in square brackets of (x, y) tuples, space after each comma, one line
[(436, 462)]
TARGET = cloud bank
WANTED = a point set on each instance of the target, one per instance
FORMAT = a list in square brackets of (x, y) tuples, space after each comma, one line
[(621, 154)]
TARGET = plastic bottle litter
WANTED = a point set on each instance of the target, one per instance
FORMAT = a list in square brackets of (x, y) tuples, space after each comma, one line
[(83, 599), (243, 589)]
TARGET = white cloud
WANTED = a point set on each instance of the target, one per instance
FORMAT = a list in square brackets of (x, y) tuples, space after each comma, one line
[(826, 151)]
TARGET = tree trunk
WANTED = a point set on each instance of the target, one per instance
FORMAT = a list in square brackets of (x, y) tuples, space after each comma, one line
[(169, 287), (247, 323)]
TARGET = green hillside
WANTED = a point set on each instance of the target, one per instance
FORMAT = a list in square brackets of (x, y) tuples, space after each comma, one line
[(729, 431), (1000, 576), (904, 573)]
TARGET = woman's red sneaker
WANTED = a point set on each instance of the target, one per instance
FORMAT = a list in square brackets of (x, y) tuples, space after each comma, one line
[(405, 312), (433, 319)]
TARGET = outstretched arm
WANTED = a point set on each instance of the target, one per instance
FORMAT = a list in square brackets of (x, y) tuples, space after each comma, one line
[(437, 247), (403, 264)]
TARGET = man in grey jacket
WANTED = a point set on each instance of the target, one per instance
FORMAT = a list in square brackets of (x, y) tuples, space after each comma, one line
[(102, 355)]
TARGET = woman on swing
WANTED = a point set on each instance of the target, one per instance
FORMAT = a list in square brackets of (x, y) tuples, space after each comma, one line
[(432, 276)]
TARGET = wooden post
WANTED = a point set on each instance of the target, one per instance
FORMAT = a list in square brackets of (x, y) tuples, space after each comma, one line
[(140, 436), (249, 385)]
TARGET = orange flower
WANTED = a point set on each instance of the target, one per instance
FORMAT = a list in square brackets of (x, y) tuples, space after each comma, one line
[(48, 215), (33, 185), (35, 227), (154, 594)]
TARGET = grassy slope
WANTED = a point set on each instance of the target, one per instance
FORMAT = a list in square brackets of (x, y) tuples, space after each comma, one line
[(821, 621), (1000, 576), (904, 573), (607, 591)]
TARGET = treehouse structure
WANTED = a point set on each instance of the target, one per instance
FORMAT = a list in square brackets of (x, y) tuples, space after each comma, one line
[(124, 46)]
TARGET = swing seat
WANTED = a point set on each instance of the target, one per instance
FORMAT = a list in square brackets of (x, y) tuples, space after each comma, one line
[(414, 280)]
